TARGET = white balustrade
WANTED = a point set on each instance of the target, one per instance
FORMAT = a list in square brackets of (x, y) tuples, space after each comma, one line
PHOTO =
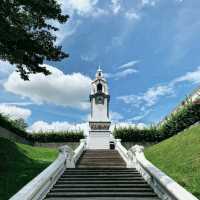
[(164, 186), (41, 184)]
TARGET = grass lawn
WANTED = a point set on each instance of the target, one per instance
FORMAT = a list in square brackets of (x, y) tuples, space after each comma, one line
[(19, 164), (179, 157)]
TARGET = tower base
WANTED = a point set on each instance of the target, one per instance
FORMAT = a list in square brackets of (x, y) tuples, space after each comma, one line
[(98, 139)]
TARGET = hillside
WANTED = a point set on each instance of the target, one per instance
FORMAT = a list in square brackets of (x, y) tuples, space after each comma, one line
[(179, 157), (20, 163)]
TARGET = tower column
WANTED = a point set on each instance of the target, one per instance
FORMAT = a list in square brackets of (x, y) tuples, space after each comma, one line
[(99, 134)]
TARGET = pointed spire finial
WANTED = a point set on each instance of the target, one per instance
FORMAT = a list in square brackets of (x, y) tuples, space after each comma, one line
[(99, 68)]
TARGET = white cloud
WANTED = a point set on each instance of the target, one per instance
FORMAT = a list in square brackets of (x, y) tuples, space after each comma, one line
[(115, 6), (70, 90), (84, 8), (6, 67), (127, 124), (141, 116), (189, 76), (65, 30), (57, 126), (132, 15), (14, 112), (149, 2), (149, 98), (152, 95), (115, 116), (121, 74), (129, 64)]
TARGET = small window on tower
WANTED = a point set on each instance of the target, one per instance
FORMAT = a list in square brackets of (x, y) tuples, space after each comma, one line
[(99, 87)]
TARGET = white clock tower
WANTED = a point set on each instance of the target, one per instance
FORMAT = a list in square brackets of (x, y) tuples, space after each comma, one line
[(99, 134)]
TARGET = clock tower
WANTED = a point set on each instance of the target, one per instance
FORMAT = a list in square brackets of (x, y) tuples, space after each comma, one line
[(99, 134)]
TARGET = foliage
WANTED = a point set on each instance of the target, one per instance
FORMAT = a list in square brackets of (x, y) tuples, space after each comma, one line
[(21, 124), (19, 164), (64, 136), (179, 157), (17, 127), (184, 117), (13, 125), (181, 119), (126, 134), (27, 34)]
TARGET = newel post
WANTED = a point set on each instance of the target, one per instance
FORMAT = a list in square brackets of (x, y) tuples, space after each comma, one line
[(68, 154)]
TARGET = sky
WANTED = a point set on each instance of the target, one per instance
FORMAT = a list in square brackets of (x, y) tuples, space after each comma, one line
[(147, 49)]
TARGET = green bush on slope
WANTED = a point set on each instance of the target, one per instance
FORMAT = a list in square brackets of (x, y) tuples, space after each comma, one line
[(179, 157), (19, 164)]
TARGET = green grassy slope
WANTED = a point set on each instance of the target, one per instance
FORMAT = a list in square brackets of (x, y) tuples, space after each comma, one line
[(20, 163), (179, 157)]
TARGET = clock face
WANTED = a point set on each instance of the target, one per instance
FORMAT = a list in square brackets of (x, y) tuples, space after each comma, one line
[(99, 100)]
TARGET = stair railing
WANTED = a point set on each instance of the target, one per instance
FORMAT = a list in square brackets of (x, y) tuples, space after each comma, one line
[(164, 186), (37, 188)]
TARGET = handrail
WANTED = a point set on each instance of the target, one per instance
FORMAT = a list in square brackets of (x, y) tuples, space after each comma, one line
[(37, 188), (163, 185)]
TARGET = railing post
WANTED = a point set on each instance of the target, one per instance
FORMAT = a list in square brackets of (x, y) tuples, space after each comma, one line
[(68, 154)]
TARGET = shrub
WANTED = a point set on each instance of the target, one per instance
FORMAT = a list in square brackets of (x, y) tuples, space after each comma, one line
[(185, 116), (64, 136)]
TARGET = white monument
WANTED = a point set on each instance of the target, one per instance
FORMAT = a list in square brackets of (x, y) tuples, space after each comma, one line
[(99, 134)]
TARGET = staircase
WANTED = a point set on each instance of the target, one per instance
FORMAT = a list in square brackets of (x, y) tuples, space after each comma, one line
[(101, 174)]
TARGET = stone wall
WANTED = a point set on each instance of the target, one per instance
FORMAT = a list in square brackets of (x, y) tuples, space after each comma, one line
[(5, 133)]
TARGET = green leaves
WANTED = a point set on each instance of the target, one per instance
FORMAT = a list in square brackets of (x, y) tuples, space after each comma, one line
[(26, 35), (182, 118)]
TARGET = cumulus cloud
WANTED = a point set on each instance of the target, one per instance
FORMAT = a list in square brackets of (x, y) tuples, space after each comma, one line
[(15, 112), (70, 90), (6, 67), (39, 126)]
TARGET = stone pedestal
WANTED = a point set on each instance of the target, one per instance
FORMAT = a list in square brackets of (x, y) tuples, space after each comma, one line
[(98, 139)]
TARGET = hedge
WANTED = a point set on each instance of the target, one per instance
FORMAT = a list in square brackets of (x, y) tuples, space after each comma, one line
[(184, 117), (65, 136)]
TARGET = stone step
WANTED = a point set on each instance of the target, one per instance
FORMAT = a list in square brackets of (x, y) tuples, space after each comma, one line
[(103, 198), (107, 185), (102, 175), (101, 170), (99, 175), (101, 194), (101, 181), (128, 189)]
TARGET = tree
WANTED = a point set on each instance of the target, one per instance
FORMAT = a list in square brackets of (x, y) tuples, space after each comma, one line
[(26, 35), (20, 123)]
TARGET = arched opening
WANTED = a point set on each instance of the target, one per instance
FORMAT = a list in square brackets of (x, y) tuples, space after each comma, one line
[(99, 87)]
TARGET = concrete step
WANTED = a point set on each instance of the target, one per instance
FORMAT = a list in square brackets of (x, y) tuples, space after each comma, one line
[(128, 189), (100, 172), (101, 194), (99, 175), (102, 175), (103, 198), (101, 181), (107, 185)]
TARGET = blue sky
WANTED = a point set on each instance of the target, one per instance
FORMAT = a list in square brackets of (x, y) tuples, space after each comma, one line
[(148, 50)]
